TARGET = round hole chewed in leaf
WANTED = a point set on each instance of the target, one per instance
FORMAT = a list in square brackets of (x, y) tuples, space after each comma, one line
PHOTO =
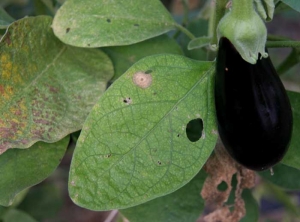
[(222, 186), (194, 129)]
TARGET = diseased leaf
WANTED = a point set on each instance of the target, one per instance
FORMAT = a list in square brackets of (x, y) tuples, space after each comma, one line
[(295, 4), (184, 205), (110, 23), (134, 147), (292, 157), (46, 88), (22, 168), (125, 56), (5, 19)]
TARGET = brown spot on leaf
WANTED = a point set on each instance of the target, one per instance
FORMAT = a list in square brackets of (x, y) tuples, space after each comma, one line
[(142, 80), (2, 89), (221, 167), (7, 38)]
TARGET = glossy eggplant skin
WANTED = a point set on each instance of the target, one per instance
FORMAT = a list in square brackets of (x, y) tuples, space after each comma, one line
[(253, 110)]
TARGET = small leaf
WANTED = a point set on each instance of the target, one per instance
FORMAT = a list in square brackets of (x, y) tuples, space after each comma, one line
[(284, 176), (46, 88), (198, 28), (184, 205), (199, 42), (110, 23), (295, 4), (14, 215), (22, 168), (5, 19), (292, 157), (134, 147), (125, 56)]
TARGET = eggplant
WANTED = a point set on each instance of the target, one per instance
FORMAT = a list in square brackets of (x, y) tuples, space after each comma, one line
[(253, 111)]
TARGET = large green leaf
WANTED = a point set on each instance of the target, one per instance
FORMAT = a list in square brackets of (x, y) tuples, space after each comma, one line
[(46, 88), (5, 19), (99, 23), (125, 56), (284, 176), (184, 205), (22, 168), (133, 146), (295, 4), (292, 158)]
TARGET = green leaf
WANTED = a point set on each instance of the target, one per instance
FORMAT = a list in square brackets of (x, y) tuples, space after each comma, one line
[(252, 208), (295, 4), (22, 168), (199, 42), (125, 56), (43, 202), (14, 215), (46, 88), (292, 157), (5, 19), (110, 23), (133, 146), (284, 176), (184, 205)]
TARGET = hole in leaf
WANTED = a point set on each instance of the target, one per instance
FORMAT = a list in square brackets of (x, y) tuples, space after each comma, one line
[(67, 30), (194, 129), (127, 100), (148, 71), (222, 186), (108, 20), (136, 25), (159, 163), (178, 135)]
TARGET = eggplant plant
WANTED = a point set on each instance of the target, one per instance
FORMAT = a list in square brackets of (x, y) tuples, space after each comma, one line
[(164, 117)]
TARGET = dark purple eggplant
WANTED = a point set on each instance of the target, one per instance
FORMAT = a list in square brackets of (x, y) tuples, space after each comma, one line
[(253, 110)]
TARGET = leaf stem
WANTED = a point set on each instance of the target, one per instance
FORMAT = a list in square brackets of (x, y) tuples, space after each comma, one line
[(290, 61), (185, 31), (220, 9), (283, 44), (218, 13)]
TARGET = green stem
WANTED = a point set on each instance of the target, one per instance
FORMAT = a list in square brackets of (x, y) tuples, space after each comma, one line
[(283, 44), (186, 12), (290, 61), (217, 15), (277, 38), (220, 9), (185, 31)]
